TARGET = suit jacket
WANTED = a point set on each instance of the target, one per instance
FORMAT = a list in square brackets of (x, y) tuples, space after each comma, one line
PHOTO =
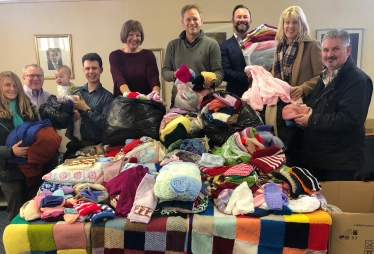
[(50, 64), (233, 65)]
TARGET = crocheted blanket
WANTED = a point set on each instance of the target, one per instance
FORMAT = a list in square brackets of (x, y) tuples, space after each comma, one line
[(296, 233), (160, 235), (46, 237), (207, 232)]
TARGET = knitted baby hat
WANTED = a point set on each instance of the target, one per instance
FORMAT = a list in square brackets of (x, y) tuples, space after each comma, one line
[(178, 181), (292, 111), (241, 201), (268, 163), (51, 201), (29, 211), (274, 197), (239, 170), (183, 74), (304, 204), (223, 199), (86, 208), (105, 214), (102, 197), (211, 161), (198, 83), (193, 145), (308, 181)]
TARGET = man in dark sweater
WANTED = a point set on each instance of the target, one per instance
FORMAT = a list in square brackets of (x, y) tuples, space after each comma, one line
[(194, 49), (334, 136)]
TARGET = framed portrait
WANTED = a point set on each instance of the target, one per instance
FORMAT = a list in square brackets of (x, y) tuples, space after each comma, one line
[(218, 30), (159, 54), (356, 38), (53, 51)]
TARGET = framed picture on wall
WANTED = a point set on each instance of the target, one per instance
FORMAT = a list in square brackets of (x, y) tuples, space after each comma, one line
[(356, 38), (53, 51), (159, 54), (218, 30)]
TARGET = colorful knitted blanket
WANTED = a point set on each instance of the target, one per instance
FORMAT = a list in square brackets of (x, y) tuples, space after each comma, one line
[(204, 233), (46, 237)]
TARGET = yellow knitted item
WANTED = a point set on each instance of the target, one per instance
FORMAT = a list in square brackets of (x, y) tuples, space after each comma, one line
[(209, 76), (173, 124)]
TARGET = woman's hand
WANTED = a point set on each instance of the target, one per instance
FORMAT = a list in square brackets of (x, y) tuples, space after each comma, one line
[(248, 72), (296, 92), (20, 151)]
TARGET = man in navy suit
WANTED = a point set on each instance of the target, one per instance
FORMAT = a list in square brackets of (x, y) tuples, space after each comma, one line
[(233, 62)]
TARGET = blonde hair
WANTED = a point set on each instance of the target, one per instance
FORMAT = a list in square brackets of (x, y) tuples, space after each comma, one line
[(64, 68), (297, 13), (25, 108)]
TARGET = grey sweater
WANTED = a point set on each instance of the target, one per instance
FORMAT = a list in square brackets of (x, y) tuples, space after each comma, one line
[(202, 55)]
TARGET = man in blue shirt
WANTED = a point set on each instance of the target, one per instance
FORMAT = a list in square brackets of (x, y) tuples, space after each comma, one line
[(92, 107)]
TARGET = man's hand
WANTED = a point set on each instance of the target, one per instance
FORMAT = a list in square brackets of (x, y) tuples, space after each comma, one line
[(20, 151), (76, 115), (175, 73), (302, 120), (81, 105), (296, 92)]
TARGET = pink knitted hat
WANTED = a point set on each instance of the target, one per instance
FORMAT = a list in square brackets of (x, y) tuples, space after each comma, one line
[(183, 74), (239, 170), (292, 111)]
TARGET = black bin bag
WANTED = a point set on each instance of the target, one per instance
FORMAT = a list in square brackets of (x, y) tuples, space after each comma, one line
[(131, 119), (247, 118), (60, 113)]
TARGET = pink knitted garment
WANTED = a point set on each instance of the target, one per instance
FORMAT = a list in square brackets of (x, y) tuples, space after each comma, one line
[(239, 170), (266, 90)]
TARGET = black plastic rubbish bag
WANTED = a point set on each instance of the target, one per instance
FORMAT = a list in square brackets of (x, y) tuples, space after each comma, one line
[(247, 118), (60, 113), (131, 119)]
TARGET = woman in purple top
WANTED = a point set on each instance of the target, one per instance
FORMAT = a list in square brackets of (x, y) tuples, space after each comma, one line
[(133, 69)]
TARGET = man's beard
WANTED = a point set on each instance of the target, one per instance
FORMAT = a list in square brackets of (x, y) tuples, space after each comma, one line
[(242, 31)]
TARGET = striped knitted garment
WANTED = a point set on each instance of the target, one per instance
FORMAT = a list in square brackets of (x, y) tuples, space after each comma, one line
[(268, 159)]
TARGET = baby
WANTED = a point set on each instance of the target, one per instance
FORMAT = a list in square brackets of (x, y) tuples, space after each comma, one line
[(65, 90)]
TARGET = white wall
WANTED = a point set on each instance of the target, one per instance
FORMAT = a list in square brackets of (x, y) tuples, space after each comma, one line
[(95, 26)]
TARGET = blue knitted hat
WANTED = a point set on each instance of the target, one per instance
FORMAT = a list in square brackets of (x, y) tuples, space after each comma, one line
[(106, 213), (193, 145)]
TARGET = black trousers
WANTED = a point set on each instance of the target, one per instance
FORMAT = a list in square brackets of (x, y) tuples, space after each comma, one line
[(17, 192)]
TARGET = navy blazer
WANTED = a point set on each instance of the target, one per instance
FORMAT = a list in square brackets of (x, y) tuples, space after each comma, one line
[(233, 65)]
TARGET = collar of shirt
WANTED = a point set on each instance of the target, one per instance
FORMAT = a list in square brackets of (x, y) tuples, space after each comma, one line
[(326, 74), (98, 89), (238, 39), (32, 93), (183, 37)]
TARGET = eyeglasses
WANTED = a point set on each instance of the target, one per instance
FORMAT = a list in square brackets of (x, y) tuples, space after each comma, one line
[(35, 75)]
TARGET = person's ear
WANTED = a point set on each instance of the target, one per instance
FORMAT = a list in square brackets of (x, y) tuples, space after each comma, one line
[(101, 70), (349, 49)]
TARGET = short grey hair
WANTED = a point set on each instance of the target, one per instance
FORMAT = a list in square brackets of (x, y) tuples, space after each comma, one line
[(338, 34), (191, 6), (30, 65)]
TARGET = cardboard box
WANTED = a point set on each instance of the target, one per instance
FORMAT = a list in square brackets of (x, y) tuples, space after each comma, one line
[(352, 231), (369, 126)]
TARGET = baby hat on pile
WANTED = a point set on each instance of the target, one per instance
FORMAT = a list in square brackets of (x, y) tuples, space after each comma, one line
[(308, 182), (178, 181), (105, 214), (304, 204), (274, 197), (241, 201)]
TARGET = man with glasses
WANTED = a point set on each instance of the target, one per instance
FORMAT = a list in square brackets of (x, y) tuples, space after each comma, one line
[(33, 76)]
